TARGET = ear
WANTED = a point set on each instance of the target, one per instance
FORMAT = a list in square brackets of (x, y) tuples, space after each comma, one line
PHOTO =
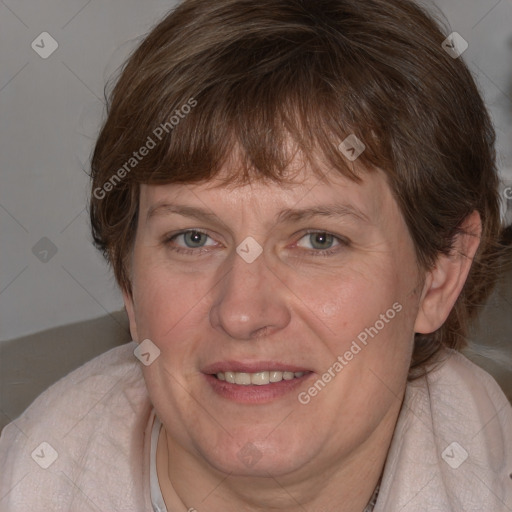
[(130, 310), (445, 281)]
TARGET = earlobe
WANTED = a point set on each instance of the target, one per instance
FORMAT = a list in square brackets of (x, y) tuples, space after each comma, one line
[(130, 310), (444, 283)]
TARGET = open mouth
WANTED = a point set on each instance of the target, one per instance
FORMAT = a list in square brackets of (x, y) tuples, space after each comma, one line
[(258, 378)]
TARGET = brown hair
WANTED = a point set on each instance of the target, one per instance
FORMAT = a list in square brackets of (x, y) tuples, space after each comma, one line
[(258, 74)]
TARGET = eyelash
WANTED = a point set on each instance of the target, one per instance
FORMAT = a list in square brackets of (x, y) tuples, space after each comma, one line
[(342, 242)]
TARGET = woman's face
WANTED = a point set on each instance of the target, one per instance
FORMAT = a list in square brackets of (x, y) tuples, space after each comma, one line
[(318, 278)]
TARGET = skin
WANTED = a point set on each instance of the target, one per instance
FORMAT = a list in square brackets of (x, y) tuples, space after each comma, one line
[(291, 306)]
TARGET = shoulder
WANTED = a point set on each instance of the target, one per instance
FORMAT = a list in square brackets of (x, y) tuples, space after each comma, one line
[(452, 447), (463, 403), (80, 431), (464, 387), (105, 379)]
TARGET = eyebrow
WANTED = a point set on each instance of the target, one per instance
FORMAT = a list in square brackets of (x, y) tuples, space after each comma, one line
[(287, 215)]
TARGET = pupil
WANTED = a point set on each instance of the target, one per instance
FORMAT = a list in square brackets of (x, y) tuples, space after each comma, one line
[(195, 236), (323, 237)]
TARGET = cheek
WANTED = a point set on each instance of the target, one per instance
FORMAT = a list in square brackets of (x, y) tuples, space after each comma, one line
[(172, 309), (369, 311), (351, 298), (165, 301)]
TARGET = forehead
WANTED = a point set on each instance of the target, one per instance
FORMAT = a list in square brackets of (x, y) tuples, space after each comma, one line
[(371, 197)]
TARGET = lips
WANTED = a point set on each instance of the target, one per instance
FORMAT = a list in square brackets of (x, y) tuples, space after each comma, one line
[(256, 393), (248, 376)]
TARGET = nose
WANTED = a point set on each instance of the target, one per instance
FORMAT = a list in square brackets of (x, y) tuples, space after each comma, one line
[(250, 301)]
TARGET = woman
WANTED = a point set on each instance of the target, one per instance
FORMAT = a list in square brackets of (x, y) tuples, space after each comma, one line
[(299, 202)]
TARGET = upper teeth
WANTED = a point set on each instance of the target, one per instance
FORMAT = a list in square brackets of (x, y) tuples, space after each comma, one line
[(260, 378)]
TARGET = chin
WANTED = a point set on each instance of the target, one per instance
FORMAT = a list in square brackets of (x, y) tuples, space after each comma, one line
[(259, 455)]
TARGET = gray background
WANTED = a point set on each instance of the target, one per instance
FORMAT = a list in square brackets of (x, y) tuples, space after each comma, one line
[(51, 110)]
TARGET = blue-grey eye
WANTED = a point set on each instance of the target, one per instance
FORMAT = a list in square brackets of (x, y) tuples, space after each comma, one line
[(320, 240), (194, 239)]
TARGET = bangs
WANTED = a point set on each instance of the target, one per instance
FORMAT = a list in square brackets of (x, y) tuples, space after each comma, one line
[(262, 104)]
